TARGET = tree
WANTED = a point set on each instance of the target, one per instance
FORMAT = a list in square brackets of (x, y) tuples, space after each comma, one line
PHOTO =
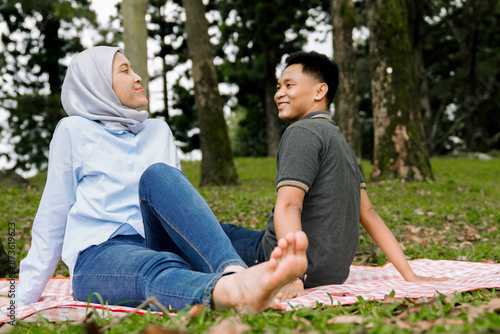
[(417, 34), (398, 134), (346, 107), (253, 39), (135, 36), (217, 166), (465, 34), (41, 33), (167, 29)]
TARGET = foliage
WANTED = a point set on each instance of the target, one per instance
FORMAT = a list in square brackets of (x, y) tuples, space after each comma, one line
[(253, 40), (167, 28), (458, 41), (472, 312), (399, 138), (41, 33), (460, 53), (455, 217)]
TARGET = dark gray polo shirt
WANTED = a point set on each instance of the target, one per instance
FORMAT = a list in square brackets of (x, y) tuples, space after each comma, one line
[(314, 156)]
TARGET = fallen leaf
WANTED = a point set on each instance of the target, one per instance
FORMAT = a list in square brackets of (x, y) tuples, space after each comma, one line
[(474, 312), (465, 244), (195, 310), (346, 319), (253, 222), (388, 300), (454, 322), (403, 324), (229, 326), (413, 229), (493, 305), (426, 325), (155, 329), (492, 228)]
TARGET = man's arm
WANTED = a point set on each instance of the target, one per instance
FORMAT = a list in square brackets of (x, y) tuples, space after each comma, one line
[(288, 210), (384, 238), (287, 219)]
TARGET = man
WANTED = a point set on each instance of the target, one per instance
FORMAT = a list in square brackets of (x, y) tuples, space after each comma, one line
[(320, 189)]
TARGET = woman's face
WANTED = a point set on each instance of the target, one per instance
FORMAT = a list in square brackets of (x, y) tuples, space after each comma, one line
[(127, 83)]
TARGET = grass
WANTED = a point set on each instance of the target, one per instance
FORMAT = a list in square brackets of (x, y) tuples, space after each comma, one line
[(455, 217)]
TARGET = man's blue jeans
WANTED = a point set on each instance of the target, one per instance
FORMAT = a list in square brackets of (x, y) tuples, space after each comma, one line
[(181, 259)]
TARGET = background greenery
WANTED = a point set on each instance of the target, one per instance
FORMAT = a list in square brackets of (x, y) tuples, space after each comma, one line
[(457, 43), (456, 217)]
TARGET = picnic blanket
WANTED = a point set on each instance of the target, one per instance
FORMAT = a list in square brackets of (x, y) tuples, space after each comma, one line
[(370, 283)]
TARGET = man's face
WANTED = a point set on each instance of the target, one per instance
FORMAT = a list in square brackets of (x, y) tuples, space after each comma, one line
[(295, 94)]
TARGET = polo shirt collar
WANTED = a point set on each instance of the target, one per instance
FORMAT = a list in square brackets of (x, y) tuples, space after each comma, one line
[(317, 114)]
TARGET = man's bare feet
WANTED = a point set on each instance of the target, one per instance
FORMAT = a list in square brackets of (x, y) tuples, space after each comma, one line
[(253, 290)]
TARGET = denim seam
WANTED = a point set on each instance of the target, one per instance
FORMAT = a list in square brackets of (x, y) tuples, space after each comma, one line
[(208, 294), (178, 232), (236, 262)]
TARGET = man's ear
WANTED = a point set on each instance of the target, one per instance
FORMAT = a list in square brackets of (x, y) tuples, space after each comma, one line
[(322, 89)]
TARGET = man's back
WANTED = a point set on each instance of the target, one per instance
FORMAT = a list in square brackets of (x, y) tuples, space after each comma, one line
[(315, 157)]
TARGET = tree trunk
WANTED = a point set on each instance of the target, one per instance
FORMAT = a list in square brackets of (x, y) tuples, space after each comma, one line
[(274, 126), (399, 148), (217, 166), (49, 28), (346, 107), (135, 35), (476, 136), (416, 33), (466, 29)]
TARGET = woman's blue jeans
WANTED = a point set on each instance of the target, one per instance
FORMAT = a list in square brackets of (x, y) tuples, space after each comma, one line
[(182, 257)]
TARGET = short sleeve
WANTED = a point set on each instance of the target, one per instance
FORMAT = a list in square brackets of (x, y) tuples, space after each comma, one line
[(298, 158)]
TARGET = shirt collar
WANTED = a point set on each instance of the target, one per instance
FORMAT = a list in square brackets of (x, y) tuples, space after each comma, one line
[(317, 114)]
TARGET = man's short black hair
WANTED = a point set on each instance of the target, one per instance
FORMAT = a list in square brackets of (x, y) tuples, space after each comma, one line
[(319, 67)]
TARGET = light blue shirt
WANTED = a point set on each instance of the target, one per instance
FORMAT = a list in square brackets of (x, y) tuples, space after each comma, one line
[(91, 191)]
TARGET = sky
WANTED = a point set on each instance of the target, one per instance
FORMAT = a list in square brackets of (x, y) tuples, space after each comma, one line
[(104, 9)]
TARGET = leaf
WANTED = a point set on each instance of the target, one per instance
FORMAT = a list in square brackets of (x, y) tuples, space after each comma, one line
[(419, 212), (474, 312), (388, 299), (413, 229), (230, 325), (253, 223), (455, 322), (155, 329), (346, 319), (195, 310), (493, 305)]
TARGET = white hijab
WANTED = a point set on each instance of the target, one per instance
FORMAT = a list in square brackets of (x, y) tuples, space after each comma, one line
[(87, 91)]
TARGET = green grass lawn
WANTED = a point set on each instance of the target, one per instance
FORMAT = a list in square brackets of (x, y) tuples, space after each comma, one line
[(455, 217)]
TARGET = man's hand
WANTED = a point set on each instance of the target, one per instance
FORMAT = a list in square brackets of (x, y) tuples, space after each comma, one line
[(291, 290)]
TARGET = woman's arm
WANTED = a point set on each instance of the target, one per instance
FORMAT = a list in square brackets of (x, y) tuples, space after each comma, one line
[(50, 222), (384, 238)]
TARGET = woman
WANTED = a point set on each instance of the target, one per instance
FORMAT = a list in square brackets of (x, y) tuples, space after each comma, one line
[(121, 247)]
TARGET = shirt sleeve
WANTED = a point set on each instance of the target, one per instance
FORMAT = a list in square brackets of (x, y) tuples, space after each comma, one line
[(298, 159), (50, 222), (172, 149)]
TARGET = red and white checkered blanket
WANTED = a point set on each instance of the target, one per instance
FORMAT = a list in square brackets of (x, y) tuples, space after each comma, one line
[(366, 282)]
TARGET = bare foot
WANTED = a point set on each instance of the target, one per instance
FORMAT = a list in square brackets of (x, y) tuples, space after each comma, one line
[(253, 290)]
